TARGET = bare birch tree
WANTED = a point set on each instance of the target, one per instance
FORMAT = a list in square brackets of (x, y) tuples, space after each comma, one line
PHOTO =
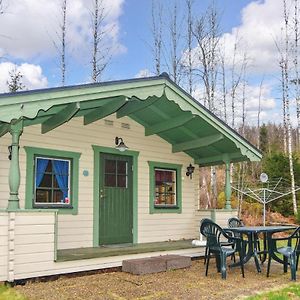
[(206, 33), (236, 75), (259, 111), (174, 62), (63, 42), (60, 44), (100, 53), (285, 84), (189, 4), (224, 89), (157, 32), (295, 61)]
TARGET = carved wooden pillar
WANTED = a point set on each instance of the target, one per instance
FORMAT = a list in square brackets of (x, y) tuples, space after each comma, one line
[(14, 170)]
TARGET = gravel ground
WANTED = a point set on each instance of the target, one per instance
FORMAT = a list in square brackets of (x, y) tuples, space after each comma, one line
[(188, 283)]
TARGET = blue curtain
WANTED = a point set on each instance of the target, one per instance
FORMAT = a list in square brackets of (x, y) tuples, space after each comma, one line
[(61, 169), (40, 170)]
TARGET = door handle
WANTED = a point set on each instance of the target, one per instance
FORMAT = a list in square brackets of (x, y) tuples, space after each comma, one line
[(102, 195)]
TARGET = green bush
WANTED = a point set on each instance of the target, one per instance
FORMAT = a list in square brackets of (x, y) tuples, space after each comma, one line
[(221, 201)]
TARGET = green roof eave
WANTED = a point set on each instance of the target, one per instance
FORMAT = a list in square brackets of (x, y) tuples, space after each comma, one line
[(187, 103), (47, 106), (27, 104)]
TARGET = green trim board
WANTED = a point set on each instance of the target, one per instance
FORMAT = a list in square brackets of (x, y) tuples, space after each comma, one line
[(31, 152), (178, 117), (152, 208), (97, 151)]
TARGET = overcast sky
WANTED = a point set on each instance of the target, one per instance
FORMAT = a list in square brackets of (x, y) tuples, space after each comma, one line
[(29, 27)]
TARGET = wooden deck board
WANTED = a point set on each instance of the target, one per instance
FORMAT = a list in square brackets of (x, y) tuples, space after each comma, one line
[(117, 250)]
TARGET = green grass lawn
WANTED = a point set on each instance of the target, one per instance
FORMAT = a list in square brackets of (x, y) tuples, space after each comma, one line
[(290, 292), (7, 293)]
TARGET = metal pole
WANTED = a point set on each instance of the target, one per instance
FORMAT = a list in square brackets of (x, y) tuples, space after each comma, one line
[(264, 207)]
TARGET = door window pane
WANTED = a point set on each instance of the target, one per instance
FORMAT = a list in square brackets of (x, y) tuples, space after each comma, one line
[(110, 180), (110, 166), (122, 167), (122, 181)]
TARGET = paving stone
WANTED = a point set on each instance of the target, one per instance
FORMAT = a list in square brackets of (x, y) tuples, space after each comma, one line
[(144, 265), (174, 262), (155, 264)]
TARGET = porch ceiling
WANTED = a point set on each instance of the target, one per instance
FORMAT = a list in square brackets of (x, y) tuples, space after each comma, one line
[(157, 103)]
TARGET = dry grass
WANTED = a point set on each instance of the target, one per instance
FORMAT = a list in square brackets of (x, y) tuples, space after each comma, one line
[(179, 284)]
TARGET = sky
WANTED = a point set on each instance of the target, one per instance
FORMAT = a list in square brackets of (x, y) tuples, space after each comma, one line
[(29, 28)]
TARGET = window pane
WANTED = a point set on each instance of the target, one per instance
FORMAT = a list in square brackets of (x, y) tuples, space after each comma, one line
[(58, 197), (46, 181), (110, 166), (122, 167), (43, 196), (61, 182), (122, 181), (110, 180)]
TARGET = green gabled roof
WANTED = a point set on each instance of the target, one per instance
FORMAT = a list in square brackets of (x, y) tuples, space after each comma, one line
[(157, 103)]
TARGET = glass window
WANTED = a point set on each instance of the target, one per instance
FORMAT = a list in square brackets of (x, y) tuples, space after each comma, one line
[(116, 173), (52, 182), (165, 187)]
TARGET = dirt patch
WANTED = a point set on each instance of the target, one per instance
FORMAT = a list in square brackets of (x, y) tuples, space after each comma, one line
[(189, 283)]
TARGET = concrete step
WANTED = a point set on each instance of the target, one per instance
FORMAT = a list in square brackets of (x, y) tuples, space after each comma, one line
[(155, 264)]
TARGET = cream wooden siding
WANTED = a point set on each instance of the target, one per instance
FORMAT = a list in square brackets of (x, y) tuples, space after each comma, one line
[(3, 246), (33, 249), (77, 230), (222, 216), (34, 242)]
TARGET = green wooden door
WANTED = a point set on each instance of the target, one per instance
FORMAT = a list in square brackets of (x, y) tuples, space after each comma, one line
[(116, 202)]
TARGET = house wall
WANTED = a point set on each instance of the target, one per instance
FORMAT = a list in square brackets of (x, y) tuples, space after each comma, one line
[(31, 248), (3, 246), (77, 230)]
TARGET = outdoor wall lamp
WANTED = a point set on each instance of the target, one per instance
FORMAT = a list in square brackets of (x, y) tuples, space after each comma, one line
[(120, 145), (9, 151), (190, 170)]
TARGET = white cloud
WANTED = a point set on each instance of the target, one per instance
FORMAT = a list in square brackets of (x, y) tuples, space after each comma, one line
[(28, 27), (33, 77), (260, 27), (144, 73)]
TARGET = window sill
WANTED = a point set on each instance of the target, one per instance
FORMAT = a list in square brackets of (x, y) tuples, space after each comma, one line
[(165, 209), (62, 210)]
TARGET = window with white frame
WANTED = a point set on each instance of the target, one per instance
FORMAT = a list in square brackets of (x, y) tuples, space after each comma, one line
[(52, 182), (165, 187)]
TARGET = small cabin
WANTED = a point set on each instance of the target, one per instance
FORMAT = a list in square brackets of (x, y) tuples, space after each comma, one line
[(94, 174)]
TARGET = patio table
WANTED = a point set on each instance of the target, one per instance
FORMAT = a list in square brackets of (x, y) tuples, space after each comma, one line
[(252, 233)]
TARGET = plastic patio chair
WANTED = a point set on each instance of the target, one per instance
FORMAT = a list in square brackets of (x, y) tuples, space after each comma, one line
[(235, 222), (215, 236), (224, 243), (290, 252), (203, 233)]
